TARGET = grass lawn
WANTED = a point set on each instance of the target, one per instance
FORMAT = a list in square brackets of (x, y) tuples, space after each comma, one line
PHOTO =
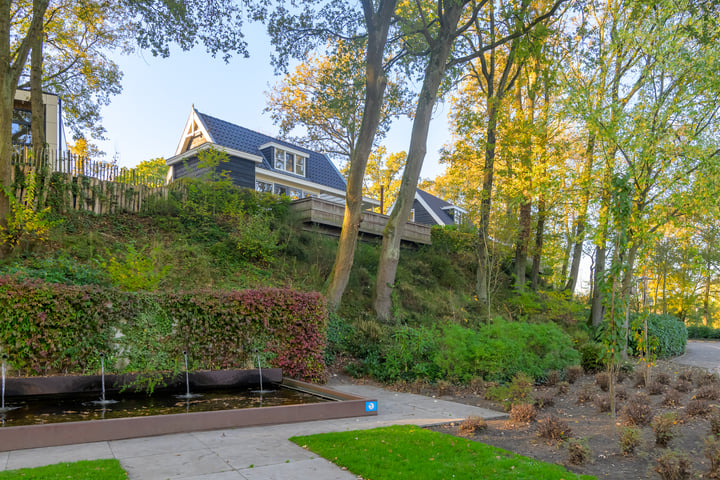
[(83, 470), (407, 451)]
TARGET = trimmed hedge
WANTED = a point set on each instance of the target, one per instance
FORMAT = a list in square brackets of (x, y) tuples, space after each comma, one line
[(501, 349), (703, 332), (667, 334), (53, 328)]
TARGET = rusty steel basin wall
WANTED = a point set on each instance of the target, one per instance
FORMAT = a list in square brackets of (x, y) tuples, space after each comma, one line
[(53, 434)]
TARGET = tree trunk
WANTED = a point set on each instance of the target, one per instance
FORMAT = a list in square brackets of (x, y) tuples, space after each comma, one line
[(521, 248), (627, 288), (596, 310), (434, 73), (706, 298), (582, 216), (378, 25), (11, 64), (481, 282), (539, 238), (37, 122)]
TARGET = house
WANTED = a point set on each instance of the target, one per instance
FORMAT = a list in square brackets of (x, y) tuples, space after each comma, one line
[(21, 131), (431, 210), (258, 161)]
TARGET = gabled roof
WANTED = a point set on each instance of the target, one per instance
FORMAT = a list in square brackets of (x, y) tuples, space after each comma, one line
[(319, 168), (436, 207)]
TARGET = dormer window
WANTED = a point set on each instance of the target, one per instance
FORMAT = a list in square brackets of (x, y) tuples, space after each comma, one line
[(456, 213), (289, 162)]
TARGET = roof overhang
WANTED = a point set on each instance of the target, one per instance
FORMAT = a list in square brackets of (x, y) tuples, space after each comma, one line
[(230, 151), (432, 212), (284, 147), (292, 180)]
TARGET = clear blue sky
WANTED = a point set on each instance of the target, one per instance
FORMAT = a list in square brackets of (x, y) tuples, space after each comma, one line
[(147, 119)]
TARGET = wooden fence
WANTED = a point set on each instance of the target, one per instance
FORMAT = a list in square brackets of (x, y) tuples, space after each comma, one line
[(69, 182)]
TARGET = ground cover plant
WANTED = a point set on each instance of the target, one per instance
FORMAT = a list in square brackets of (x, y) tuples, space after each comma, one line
[(83, 470), (411, 452)]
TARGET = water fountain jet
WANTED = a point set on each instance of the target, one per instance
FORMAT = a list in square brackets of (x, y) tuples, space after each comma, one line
[(103, 400)]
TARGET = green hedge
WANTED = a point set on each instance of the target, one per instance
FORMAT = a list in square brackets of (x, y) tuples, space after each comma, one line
[(703, 332), (667, 335), (53, 328), (501, 349)]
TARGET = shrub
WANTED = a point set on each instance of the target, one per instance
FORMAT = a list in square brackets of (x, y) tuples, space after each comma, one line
[(408, 354), (602, 402), (472, 425), (602, 379), (672, 399), (621, 394), (697, 408), (686, 375), (523, 413), (578, 451), (683, 386), (553, 428), (673, 466), (706, 378), (664, 428), (563, 388), (715, 422), (573, 373), (501, 349), (518, 390), (256, 240), (552, 378), (655, 388), (137, 270), (637, 411), (591, 356), (639, 380), (630, 440), (708, 392), (712, 453), (662, 378), (666, 332), (443, 387), (544, 399), (585, 394)]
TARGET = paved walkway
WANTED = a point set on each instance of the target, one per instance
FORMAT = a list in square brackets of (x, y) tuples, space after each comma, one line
[(701, 353), (256, 453)]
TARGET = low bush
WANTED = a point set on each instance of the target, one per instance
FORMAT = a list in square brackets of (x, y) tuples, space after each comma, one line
[(518, 390), (573, 373), (586, 394), (664, 427), (674, 466), (472, 425), (523, 413), (705, 378), (686, 375), (683, 386), (501, 349), (602, 402), (602, 379), (544, 399), (552, 378), (637, 411), (655, 388), (667, 334), (563, 388), (712, 453), (630, 440), (621, 394), (591, 356), (715, 422), (408, 354), (578, 451), (672, 399), (662, 378), (697, 408), (708, 392), (553, 428)]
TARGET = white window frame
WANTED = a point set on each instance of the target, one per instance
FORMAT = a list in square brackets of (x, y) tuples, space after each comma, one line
[(288, 161)]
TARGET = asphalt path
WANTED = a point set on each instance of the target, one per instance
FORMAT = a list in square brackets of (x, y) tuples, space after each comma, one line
[(701, 353)]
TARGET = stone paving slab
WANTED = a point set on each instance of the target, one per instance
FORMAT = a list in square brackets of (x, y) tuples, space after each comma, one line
[(253, 453)]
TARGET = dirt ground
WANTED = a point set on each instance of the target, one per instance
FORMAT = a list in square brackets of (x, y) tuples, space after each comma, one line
[(597, 428)]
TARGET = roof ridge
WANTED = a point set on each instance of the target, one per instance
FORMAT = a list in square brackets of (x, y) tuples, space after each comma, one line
[(271, 138)]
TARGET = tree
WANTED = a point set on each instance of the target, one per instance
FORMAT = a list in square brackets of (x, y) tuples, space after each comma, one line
[(324, 96)]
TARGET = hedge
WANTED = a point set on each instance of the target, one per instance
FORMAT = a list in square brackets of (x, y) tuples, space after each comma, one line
[(53, 328), (501, 349), (703, 332), (667, 335)]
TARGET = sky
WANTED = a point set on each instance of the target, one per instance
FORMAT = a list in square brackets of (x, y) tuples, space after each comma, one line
[(147, 119)]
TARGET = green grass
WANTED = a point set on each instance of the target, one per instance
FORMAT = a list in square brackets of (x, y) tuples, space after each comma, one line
[(412, 452), (83, 470)]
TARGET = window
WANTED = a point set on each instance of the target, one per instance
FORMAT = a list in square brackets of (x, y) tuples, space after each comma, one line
[(412, 215), (21, 132), (281, 189), (263, 187), (289, 162), (294, 193)]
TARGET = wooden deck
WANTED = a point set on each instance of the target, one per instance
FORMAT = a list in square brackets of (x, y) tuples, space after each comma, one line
[(329, 214)]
